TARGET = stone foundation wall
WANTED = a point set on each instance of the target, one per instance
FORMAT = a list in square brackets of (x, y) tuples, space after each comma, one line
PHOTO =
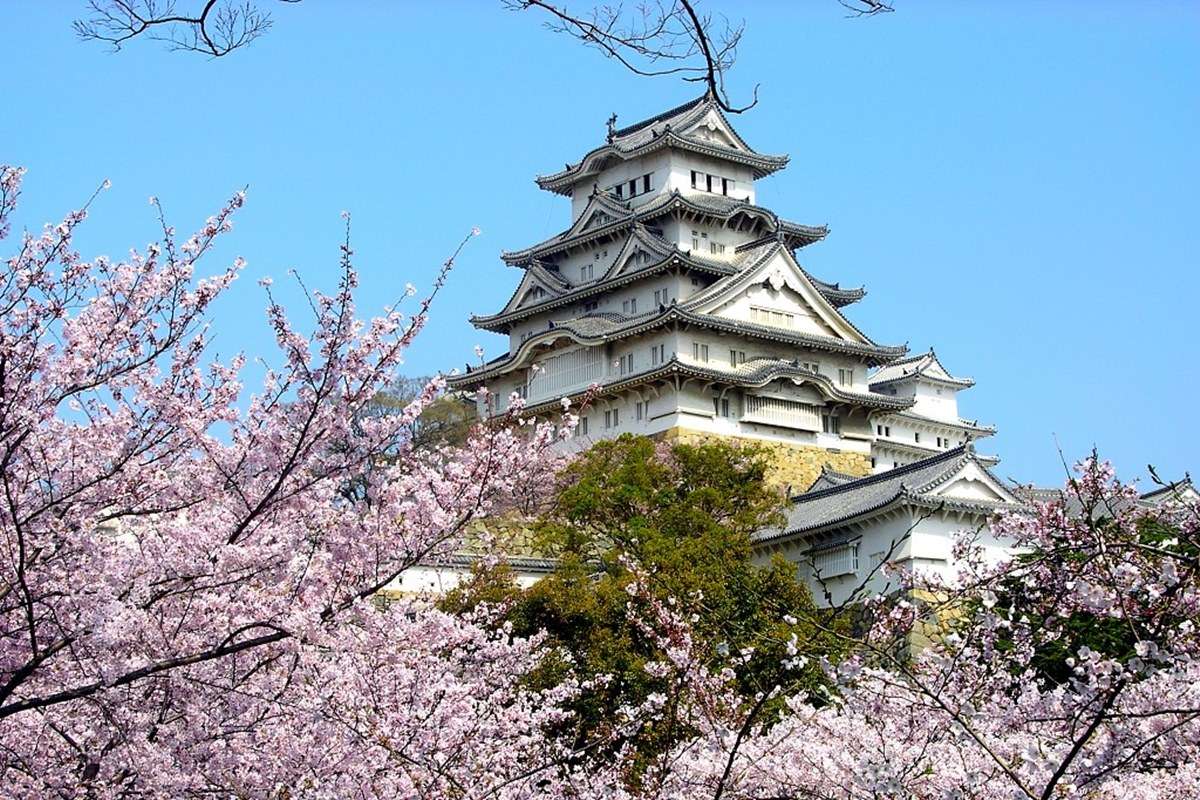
[(794, 465)]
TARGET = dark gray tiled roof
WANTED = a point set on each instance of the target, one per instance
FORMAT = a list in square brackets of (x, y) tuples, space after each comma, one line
[(842, 502), (917, 366)]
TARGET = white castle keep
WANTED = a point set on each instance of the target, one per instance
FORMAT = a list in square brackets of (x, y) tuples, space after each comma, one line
[(688, 304)]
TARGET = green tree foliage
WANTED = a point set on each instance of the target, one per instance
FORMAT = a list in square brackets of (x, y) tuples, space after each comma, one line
[(684, 514)]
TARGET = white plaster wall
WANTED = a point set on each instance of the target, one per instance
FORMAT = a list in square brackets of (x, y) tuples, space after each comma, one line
[(938, 402), (928, 548), (680, 175), (437, 580)]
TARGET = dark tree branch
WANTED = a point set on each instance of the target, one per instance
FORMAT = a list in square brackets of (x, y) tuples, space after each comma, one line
[(667, 37), (866, 8), (216, 29), (655, 38)]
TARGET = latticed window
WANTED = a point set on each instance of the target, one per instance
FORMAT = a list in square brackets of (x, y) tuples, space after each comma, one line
[(785, 413), (830, 562)]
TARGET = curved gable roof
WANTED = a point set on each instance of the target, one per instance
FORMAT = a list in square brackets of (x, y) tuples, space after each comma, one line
[(924, 365), (774, 263), (677, 127)]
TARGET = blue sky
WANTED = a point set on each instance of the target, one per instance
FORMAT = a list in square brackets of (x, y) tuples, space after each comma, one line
[(1015, 183)]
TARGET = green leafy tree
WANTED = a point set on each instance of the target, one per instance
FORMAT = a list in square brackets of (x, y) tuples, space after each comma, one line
[(684, 515)]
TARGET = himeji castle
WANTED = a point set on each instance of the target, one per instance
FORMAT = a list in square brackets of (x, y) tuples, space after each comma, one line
[(695, 311)]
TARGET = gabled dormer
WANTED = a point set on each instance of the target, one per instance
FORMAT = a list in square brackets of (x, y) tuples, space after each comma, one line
[(771, 290), (923, 378)]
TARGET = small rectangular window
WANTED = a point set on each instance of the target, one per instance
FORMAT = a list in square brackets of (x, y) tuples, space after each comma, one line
[(618, 190), (916, 436), (846, 377), (716, 248), (695, 176), (612, 418), (737, 357), (721, 406), (727, 186), (645, 183), (658, 354), (831, 423), (708, 182), (700, 352), (592, 306), (582, 428)]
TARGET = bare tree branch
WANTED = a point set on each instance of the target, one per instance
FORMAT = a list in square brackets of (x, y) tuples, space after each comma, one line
[(216, 29), (654, 38), (866, 8), (666, 37)]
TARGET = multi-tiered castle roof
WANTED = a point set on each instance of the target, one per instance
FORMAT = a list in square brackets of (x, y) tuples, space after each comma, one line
[(687, 303)]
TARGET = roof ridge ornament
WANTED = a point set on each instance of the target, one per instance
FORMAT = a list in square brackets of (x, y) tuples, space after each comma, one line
[(612, 127)]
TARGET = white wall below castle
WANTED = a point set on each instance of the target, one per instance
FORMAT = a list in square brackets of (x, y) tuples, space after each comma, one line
[(438, 580)]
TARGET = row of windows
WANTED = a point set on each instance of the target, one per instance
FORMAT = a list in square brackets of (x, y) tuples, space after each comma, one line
[(633, 187), (712, 183), (767, 316), (700, 241), (722, 407), (942, 441), (662, 297), (612, 417)]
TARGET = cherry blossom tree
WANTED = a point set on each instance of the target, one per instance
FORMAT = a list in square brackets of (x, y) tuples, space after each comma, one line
[(1071, 670), (185, 585)]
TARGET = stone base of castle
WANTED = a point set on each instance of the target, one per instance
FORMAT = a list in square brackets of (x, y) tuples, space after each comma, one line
[(793, 465)]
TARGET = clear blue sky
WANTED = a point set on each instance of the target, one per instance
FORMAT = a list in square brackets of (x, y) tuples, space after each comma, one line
[(1015, 183)]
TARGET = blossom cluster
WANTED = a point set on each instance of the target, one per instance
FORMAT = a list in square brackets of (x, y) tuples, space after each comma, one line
[(189, 574)]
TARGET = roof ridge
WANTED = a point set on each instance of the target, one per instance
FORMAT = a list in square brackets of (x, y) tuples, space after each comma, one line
[(679, 109), (890, 474)]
